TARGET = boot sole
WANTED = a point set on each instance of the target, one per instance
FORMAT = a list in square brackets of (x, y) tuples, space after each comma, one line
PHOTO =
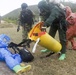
[(25, 69)]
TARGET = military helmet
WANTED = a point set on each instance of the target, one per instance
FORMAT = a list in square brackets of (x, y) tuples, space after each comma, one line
[(24, 5)]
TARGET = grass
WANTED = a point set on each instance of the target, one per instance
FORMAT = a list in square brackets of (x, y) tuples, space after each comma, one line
[(45, 66)]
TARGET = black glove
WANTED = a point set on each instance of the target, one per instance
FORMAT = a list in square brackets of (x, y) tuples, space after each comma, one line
[(11, 44), (18, 28)]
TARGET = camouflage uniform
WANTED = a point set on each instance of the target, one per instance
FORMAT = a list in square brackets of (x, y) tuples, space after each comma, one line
[(26, 20), (25, 29)]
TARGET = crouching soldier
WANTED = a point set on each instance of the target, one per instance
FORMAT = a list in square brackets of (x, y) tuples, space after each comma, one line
[(54, 17)]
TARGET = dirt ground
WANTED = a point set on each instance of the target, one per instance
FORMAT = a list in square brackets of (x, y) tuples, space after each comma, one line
[(40, 66)]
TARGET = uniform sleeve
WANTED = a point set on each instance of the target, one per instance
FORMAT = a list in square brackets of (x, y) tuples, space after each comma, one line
[(54, 14), (19, 19), (20, 16)]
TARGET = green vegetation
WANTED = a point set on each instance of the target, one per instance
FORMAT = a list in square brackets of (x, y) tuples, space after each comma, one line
[(10, 20), (13, 15)]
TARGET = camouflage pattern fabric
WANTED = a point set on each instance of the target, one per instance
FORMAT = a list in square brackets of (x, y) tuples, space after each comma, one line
[(25, 29)]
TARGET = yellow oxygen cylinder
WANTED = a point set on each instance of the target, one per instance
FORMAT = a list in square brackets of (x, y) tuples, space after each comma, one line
[(45, 39)]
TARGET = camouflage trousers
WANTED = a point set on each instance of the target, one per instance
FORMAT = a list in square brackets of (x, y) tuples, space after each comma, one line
[(25, 29)]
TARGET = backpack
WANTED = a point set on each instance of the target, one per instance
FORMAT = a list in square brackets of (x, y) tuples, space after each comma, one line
[(25, 54), (26, 16)]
